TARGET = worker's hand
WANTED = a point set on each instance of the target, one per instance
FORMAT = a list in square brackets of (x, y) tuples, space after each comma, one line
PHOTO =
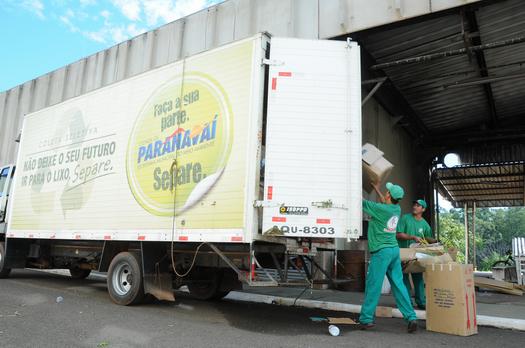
[(417, 239)]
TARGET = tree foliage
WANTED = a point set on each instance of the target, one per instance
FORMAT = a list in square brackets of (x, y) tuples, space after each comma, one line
[(495, 228)]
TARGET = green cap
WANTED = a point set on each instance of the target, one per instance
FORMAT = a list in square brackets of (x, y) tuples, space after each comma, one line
[(421, 202), (396, 191)]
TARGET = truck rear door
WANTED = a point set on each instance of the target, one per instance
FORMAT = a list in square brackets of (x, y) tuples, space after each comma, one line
[(312, 185)]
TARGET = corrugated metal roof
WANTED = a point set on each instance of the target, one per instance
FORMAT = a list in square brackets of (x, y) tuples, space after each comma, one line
[(426, 85), (489, 185)]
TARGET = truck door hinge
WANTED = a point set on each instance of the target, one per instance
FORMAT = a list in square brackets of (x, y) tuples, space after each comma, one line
[(327, 204), (266, 204)]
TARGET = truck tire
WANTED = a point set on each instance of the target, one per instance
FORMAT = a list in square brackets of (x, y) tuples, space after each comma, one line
[(4, 271), (125, 281), (209, 289), (78, 273)]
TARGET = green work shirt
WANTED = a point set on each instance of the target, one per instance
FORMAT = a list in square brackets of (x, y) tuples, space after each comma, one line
[(382, 227), (409, 225)]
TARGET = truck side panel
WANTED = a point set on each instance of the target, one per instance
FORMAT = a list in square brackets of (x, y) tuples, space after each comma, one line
[(118, 163)]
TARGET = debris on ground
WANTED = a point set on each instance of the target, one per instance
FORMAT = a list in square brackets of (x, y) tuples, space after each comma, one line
[(498, 285), (15, 314), (318, 319), (334, 330)]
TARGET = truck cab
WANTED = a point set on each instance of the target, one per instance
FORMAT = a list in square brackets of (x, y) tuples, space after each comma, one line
[(6, 178)]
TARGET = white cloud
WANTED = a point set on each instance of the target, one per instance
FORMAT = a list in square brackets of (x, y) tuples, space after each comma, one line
[(169, 10), (69, 24), (35, 6), (118, 34), (95, 36), (66, 19), (129, 8), (133, 30), (105, 14)]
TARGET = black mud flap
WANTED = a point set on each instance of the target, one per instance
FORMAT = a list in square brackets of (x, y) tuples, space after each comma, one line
[(158, 280), (16, 252)]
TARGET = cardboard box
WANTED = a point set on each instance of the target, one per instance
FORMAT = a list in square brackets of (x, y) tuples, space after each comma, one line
[(407, 254), (376, 168), (451, 299)]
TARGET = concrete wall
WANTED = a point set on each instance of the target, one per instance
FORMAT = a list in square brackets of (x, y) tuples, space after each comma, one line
[(379, 129), (212, 27)]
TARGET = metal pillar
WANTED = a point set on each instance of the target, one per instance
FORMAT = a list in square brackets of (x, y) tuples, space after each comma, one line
[(466, 232), (474, 234), (437, 212)]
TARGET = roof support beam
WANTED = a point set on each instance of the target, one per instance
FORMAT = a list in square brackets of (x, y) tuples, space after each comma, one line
[(469, 17), (451, 53), (483, 176)]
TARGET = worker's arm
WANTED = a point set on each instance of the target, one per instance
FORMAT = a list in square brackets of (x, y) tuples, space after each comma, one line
[(429, 236), (431, 240), (404, 236), (378, 191)]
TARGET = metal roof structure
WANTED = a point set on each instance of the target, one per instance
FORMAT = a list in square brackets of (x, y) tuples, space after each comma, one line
[(459, 74), (209, 28), (489, 185)]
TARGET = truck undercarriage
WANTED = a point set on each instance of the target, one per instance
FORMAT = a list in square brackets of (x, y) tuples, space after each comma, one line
[(138, 270)]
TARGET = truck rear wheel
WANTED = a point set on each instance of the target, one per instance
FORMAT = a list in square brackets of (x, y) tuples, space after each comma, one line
[(78, 273), (4, 271), (208, 288), (125, 282)]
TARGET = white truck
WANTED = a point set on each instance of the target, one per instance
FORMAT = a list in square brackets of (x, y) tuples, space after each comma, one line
[(204, 172)]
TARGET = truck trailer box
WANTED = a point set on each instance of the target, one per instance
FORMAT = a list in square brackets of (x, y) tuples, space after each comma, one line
[(175, 153)]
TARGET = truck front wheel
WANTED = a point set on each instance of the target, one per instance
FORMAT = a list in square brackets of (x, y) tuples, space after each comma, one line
[(125, 282), (4, 271)]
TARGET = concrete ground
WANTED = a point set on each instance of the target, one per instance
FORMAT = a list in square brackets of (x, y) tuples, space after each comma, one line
[(488, 303), (31, 317)]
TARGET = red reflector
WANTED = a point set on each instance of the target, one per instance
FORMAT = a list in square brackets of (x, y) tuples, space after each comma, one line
[(278, 219), (78, 236), (285, 73), (270, 192), (253, 271), (183, 237), (323, 221), (236, 239), (141, 238), (30, 236), (107, 237), (305, 250), (274, 83)]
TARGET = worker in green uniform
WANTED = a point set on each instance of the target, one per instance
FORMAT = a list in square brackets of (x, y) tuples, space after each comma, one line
[(413, 228), (384, 257)]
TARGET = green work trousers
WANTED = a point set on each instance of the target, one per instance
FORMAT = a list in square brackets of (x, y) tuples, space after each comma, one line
[(383, 262), (419, 287)]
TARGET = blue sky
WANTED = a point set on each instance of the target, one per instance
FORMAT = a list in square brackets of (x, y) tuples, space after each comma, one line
[(39, 36)]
